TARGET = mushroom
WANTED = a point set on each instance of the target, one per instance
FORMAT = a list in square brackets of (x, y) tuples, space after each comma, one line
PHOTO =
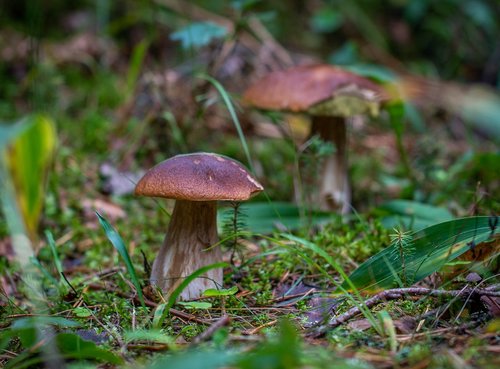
[(196, 181), (329, 95)]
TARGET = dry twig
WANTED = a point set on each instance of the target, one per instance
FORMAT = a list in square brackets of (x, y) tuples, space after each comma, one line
[(397, 293), (207, 333)]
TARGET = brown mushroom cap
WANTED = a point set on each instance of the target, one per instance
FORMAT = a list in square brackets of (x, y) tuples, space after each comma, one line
[(199, 177), (298, 89)]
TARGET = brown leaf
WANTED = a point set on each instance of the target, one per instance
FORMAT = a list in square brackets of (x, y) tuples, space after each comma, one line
[(6, 249), (493, 305), (107, 208)]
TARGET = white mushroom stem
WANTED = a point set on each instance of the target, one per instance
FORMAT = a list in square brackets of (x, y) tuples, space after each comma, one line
[(188, 246), (334, 190)]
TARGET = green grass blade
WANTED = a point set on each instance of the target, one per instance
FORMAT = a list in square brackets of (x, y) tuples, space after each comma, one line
[(119, 245), (357, 302), (432, 248), (230, 107), (55, 255), (138, 55), (177, 292)]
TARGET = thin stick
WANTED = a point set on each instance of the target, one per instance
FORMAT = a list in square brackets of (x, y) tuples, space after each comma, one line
[(205, 335), (396, 293)]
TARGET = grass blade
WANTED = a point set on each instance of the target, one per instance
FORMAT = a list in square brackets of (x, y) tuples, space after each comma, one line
[(175, 295), (119, 245), (55, 254), (230, 107)]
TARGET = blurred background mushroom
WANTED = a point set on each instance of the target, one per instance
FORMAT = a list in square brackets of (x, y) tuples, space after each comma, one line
[(329, 95), (196, 181)]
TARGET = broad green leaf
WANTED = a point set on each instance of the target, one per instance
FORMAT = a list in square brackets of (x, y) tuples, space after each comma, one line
[(221, 292), (153, 335), (197, 359), (198, 34), (119, 245), (72, 346), (8, 132), (430, 249), (195, 304), (267, 217), (412, 214), (29, 155), (69, 346), (26, 328)]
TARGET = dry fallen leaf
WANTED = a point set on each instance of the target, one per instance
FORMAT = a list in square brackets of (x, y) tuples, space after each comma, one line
[(106, 208)]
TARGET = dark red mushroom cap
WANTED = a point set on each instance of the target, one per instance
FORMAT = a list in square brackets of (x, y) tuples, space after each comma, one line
[(199, 177), (298, 89)]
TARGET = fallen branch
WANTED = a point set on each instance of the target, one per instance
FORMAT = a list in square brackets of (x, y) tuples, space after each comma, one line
[(207, 333), (397, 293)]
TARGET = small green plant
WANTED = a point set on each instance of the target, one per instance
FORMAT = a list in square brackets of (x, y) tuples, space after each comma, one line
[(429, 250), (402, 243), (232, 226)]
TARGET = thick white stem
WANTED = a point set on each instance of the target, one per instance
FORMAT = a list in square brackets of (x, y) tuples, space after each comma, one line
[(188, 246), (334, 193)]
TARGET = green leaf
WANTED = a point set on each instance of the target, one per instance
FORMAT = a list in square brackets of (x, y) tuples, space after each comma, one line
[(119, 245), (152, 335), (374, 71), (82, 312), (197, 359), (195, 304), (412, 214), (221, 292), (283, 351), (30, 148), (267, 217), (326, 20), (31, 322), (72, 346), (159, 315), (26, 328), (431, 249), (198, 34), (347, 54)]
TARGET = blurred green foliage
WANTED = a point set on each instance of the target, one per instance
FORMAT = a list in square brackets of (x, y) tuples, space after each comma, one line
[(100, 101)]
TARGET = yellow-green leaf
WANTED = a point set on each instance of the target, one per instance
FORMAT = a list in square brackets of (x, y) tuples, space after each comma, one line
[(29, 156)]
